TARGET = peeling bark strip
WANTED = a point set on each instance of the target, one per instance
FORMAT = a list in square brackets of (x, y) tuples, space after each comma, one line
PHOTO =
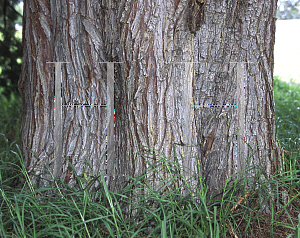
[(110, 119), (58, 139), (241, 115), (240, 162), (188, 99), (110, 158), (196, 14)]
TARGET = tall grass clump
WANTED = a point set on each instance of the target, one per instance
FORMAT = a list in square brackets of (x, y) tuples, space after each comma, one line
[(139, 210)]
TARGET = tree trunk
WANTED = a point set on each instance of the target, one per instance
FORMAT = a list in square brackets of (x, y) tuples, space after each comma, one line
[(77, 32), (171, 86), (224, 100)]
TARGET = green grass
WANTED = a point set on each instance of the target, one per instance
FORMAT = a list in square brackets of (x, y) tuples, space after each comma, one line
[(62, 211)]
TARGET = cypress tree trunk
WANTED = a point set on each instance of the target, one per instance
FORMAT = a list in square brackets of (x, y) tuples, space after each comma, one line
[(223, 100), (188, 72), (77, 32)]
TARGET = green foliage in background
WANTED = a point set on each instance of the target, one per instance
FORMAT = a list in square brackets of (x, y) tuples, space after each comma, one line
[(10, 45), (10, 116), (287, 111), (288, 9)]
